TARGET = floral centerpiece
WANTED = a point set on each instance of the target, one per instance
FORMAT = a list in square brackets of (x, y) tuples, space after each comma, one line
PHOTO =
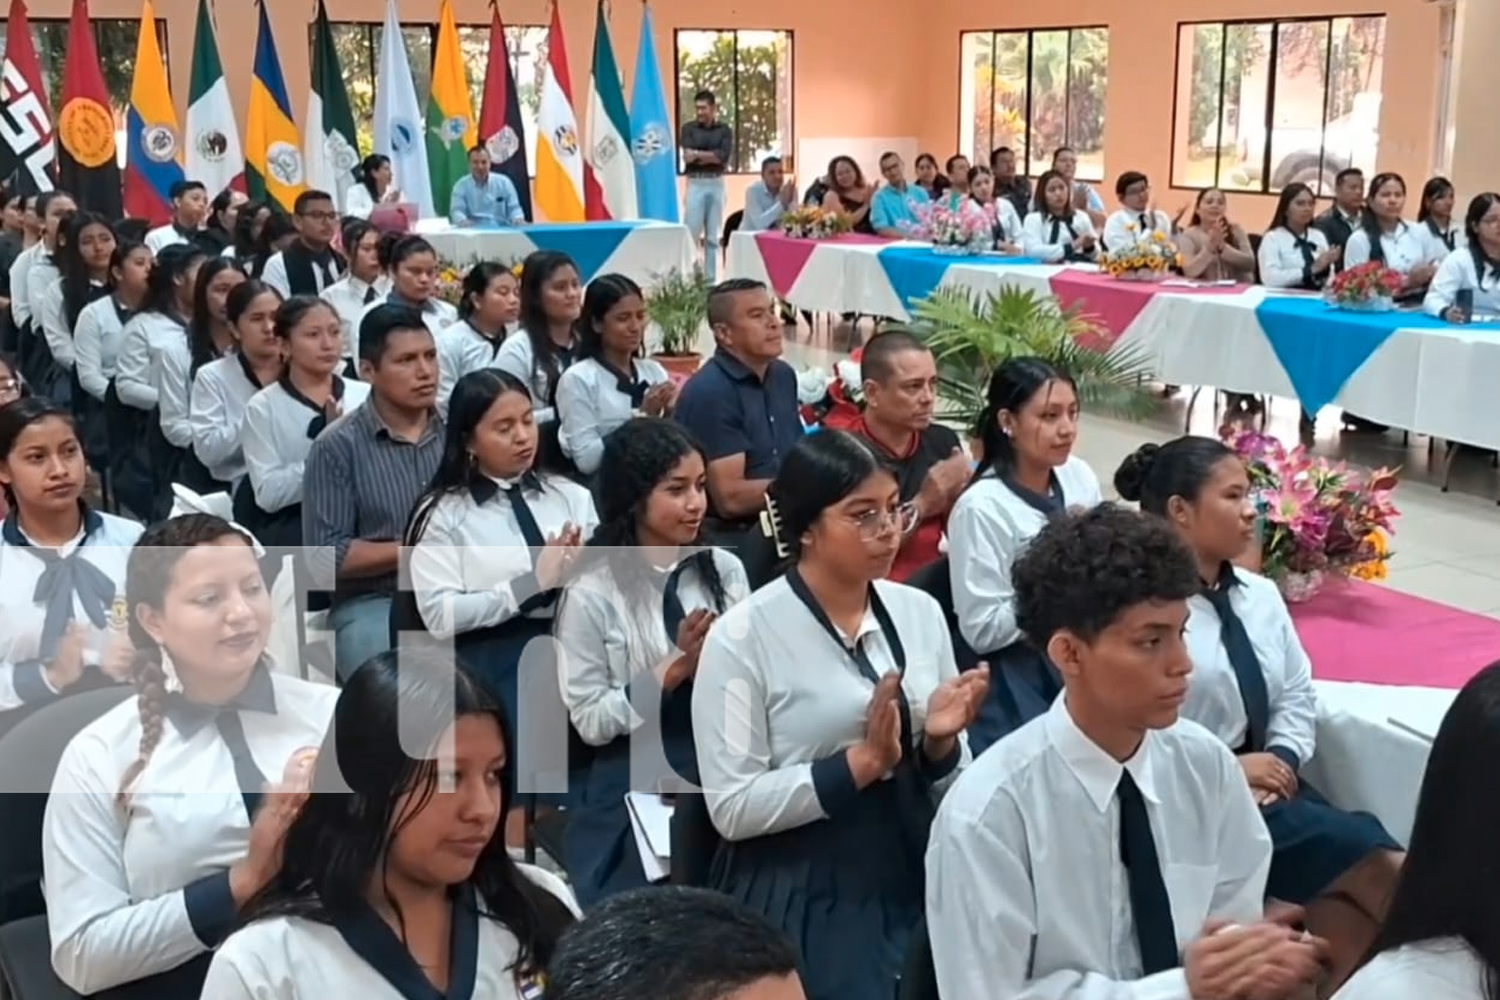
[(1148, 257), (1367, 287), (808, 222), (954, 228), (1317, 519), (450, 283), (833, 400)]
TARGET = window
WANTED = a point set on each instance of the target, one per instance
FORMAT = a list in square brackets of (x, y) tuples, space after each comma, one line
[(1261, 104), (750, 73), (358, 46), (115, 39), (1034, 91)]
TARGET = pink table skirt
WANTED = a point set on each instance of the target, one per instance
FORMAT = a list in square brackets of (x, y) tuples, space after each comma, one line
[(1117, 303)]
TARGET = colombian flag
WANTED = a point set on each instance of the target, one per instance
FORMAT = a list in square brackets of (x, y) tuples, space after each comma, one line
[(273, 149), (152, 141)]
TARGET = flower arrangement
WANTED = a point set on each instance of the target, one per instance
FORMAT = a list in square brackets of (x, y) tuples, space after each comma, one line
[(808, 222), (1147, 258), (1318, 519), (955, 228), (450, 283), (1370, 286), (832, 399)]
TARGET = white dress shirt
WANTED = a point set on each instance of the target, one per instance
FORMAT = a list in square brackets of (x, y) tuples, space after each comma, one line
[(1408, 247), (162, 237), (1214, 700), (467, 566), (437, 315), (118, 880), (294, 958), (1123, 227), (274, 274), (52, 312), (1009, 221), (606, 644), (350, 297), (1440, 238), (773, 696), (1440, 969), (96, 345), (147, 335), (173, 365), (989, 527), (41, 277), (22, 619), (1037, 239), (1281, 261), (590, 405), (358, 202), (20, 290), (275, 442), (1027, 897), (221, 393), (462, 349), (516, 357), (1455, 274)]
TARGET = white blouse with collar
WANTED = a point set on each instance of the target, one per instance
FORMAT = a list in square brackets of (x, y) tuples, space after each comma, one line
[(1280, 258), (590, 405), (1408, 247), (462, 349), (221, 393), (516, 357), (1438, 969), (1037, 239), (275, 442), (96, 345), (1455, 274), (146, 338), (350, 297)]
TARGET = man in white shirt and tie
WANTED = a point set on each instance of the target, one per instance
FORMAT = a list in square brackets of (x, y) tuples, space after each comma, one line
[(1136, 219), (1107, 850)]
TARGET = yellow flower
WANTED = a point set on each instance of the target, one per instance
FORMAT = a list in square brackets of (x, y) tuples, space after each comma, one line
[(516, 269)]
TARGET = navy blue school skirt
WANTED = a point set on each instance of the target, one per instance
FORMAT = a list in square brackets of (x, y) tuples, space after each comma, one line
[(1023, 685), (1314, 843), (130, 471)]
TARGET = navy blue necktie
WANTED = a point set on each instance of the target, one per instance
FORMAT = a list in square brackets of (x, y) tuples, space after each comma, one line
[(1149, 905), (672, 611), (246, 774), (1247, 670)]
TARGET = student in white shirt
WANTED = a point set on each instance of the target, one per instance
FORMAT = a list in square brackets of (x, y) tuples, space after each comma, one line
[(1438, 939), (1007, 224), (611, 381), (545, 345), (189, 210), (364, 284), (308, 264), (1252, 688), (1027, 473), (85, 246), (374, 187), (223, 388), (20, 293), (283, 419), (58, 630), (1082, 195), (1435, 216), (101, 324), (411, 267), (210, 337), (1384, 236), (490, 304), (822, 780), (1107, 849), (1294, 253), (1055, 231), (42, 277), (1473, 268), (395, 882), (159, 827), (1136, 219), (492, 539)]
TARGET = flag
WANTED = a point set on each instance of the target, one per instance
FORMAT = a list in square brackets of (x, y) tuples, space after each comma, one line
[(87, 167), (273, 157), (331, 146), (26, 146), (500, 123), (451, 132), (559, 163), (609, 174), (151, 137), (651, 144), (398, 121), (213, 139)]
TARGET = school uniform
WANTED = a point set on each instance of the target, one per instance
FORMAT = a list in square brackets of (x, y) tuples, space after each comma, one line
[(1406, 248), (1125, 227), (991, 524), (780, 695), (1457, 273), (517, 358), (1056, 871), (97, 337), (1252, 687), (169, 235), (20, 289), (611, 648), (143, 889), (300, 270), (933, 445), (38, 603), (359, 202), (1007, 223), (55, 327), (221, 393), (349, 297), (594, 398), (37, 364), (1445, 967), (1050, 239), (1444, 239), (437, 315), (462, 348), (296, 958), (1286, 259)]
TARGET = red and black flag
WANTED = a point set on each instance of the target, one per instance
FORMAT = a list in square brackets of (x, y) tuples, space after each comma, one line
[(26, 147), (87, 167)]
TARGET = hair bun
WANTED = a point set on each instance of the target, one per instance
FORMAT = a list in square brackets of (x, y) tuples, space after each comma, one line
[(1132, 473)]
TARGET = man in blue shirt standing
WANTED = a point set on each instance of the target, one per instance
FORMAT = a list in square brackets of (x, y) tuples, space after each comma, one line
[(483, 198), (893, 210)]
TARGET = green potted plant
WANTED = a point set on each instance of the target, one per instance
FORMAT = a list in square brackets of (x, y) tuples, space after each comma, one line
[(678, 304)]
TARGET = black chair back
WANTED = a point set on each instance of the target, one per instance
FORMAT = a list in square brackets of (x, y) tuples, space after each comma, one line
[(731, 226), (26, 971), (918, 977), (935, 579), (694, 840)]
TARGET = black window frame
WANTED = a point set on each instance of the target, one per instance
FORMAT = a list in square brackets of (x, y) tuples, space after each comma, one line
[(677, 109)]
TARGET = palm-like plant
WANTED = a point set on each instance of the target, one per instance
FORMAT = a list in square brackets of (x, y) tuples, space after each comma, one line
[(971, 335), (678, 304)]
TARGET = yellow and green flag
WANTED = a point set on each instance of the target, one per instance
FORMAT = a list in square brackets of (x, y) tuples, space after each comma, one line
[(451, 130)]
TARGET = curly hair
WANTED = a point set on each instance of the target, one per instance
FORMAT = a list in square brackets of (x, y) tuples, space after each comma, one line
[(1085, 569)]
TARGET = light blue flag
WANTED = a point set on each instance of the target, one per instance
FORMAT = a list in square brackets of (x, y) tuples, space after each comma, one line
[(651, 134)]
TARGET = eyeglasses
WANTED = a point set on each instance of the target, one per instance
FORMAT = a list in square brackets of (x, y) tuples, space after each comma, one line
[(872, 524), (321, 216)]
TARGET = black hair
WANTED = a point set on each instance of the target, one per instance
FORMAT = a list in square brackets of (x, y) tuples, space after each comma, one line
[(1012, 385), (402, 248), (218, 207), (366, 789), (1128, 180), (1198, 203), (995, 154), (44, 202), (668, 943), (536, 271), (832, 175), (1435, 188), (201, 326), (820, 471), (366, 172), (77, 283), (720, 298), (925, 157), (244, 228), (1347, 173), (19, 414), (180, 188), (246, 292), (291, 311), (1289, 194), (978, 171), (768, 162), (1039, 197), (947, 167), (704, 95), (1479, 207), (352, 231), (1153, 474), (377, 326), (889, 154), (171, 263), (1060, 150), (306, 198), (1368, 220), (476, 283), (875, 363), (478, 147), (132, 230), (1085, 569), (278, 226), (602, 295)]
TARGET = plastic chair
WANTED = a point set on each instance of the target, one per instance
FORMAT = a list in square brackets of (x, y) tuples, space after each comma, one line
[(731, 226)]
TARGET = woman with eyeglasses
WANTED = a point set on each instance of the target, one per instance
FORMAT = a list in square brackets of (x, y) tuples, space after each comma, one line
[(829, 715)]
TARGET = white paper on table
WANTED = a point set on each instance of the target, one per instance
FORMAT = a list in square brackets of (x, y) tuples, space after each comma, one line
[(651, 823), (1189, 283)]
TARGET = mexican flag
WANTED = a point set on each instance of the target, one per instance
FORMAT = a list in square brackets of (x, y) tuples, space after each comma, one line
[(451, 129), (609, 171), (213, 138), (330, 148)]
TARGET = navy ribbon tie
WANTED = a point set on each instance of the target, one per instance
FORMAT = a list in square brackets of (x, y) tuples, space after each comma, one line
[(1145, 226), (320, 422), (628, 385), (370, 295), (672, 612), (246, 773), (66, 582), (1149, 903), (1247, 670), (482, 490), (259, 695)]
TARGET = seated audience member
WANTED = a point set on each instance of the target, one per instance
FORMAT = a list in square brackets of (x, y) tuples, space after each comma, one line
[(159, 827), (893, 207), (482, 198), (848, 193), (365, 475), (741, 406), (929, 178), (816, 192), (85, 247), (309, 264), (1082, 195), (63, 563), (1010, 185), (1346, 213), (957, 168), (822, 782), (1384, 236), (189, 212), (1436, 216), (100, 327), (394, 880), (769, 198), (1136, 219), (223, 389), (900, 387), (1056, 231), (210, 337), (375, 187), (673, 943), (411, 267), (1252, 687), (1027, 474), (1212, 247), (1107, 848), (630, 628), (32, 250), (1438, 938), (1471, 272), (217, 234), (490, 305), (278, 234), (546, 343), (248, 225), (42, 276), (1007, 224), (362, 286), (1294, 253)]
